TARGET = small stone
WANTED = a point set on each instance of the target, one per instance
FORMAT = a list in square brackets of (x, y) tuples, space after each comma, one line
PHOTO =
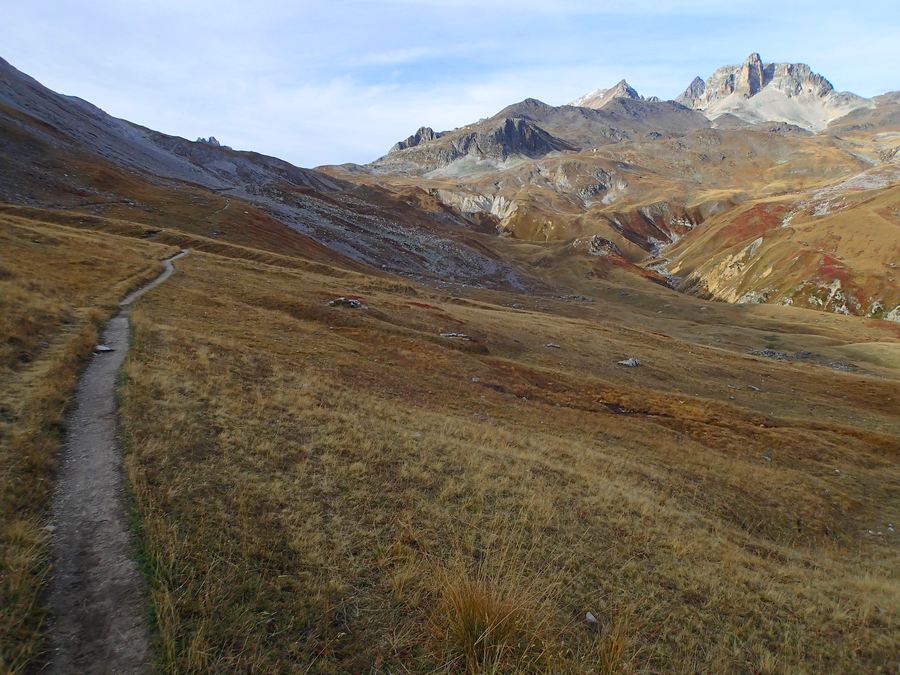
[(591, 621), (750, 386), (103, 348), (630, 362), (352, 303), (459, 336), (552, 345), (476, 379)]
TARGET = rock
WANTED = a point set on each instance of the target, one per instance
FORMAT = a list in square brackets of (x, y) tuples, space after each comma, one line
[(459, 336), (352, 303), (423, 135), (591, 621), (693, 92), (804, 356), (552, 345), (750, 386), (212, 140), (630, 362), (771, 354), (475, 379), (599, 246), (100, 349)]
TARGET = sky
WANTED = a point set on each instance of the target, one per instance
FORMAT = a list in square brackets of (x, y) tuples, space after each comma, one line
[(327, 82)]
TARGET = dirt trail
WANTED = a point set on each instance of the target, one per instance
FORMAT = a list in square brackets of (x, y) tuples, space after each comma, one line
[(97, 602)]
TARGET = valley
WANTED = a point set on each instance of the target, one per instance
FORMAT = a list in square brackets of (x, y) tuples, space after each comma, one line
[(603, 387)]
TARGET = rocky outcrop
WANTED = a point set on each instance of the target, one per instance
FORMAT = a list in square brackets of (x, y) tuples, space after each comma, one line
[(598, 246), (755, 91), (693, 92), (489, 144), (423, 135), (467, 204)]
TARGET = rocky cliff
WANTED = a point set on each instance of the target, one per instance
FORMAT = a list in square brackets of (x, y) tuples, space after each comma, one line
[(755, 92)]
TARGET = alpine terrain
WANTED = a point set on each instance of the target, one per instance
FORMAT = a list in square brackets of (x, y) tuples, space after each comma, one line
[(611, 386)]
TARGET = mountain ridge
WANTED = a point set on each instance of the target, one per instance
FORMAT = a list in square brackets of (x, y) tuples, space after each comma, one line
[(759, 92)]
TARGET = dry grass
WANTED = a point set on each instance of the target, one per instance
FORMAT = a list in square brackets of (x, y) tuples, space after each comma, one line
[(56, 288), (320, 488), (492, 613)]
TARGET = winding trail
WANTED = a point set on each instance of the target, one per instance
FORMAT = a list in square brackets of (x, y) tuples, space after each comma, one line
[(97, 598)]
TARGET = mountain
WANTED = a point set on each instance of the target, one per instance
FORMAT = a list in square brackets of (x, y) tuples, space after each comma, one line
[(600, 97), (681, 199), (62, 152), (350, 394), (759, 92), (498, 139), (531, 129), (686, 188)]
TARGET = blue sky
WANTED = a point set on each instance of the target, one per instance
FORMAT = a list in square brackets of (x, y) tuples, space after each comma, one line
[(331, 82)]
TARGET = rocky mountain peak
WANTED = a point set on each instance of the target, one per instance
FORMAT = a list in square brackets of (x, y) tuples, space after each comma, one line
[(422, 135), (752, 77), (693, 92), (756, 91), (600, 97)]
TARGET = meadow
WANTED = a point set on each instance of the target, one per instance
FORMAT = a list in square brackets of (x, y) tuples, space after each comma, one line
[(323, 488), (328, 489)]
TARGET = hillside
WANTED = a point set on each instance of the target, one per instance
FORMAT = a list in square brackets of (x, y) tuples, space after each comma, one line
[(338, 496)]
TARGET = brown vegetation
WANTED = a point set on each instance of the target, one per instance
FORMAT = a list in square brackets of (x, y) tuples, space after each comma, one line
[(334, 489), (325, 488)]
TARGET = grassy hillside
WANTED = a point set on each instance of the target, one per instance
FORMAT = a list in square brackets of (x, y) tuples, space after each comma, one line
[(833, 249), (333, 489)]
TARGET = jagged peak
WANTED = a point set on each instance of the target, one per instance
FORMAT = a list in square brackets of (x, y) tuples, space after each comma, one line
[(756, 91), (753, 58), (423, 135), (600, 97)]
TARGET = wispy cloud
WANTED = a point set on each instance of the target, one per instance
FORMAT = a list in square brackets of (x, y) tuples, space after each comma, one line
[(328, 82)]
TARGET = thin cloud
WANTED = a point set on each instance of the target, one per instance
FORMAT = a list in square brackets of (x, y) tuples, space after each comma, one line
[(318, 83)]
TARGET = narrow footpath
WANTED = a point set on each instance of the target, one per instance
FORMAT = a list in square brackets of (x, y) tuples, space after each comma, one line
[(97, 601)]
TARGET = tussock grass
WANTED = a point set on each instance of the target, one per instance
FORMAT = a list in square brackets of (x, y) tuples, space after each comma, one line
[(492, 611), (56, 289)]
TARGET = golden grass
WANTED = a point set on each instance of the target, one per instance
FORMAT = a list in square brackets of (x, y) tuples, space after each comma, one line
[(320, 489), (57, 286)]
